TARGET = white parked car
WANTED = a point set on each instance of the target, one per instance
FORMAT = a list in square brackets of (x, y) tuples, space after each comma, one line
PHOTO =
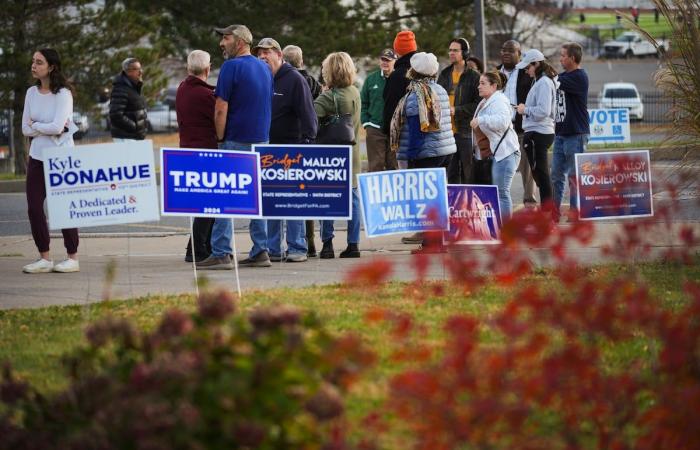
[(630, 44), (81, 121), (622, 95), (161, 118)]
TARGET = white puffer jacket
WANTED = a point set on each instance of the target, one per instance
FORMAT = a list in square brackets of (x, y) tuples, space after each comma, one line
[(494, 116)]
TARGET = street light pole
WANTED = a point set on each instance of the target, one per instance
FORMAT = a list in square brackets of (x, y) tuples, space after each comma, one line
[(479, 27)]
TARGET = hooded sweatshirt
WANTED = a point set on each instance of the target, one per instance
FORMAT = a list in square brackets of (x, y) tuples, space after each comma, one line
[(293, 116), (540, 107)]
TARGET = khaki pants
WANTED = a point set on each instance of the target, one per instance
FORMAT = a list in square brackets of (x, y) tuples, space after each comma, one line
[(379, 155)]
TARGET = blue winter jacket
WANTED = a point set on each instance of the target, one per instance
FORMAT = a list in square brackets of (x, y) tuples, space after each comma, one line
[(415, 144)]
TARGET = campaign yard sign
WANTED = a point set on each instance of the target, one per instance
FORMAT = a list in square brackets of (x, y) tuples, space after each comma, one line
[(609, 125), (475, 214), (210, 183), (401, 201), (102, 184), (614, 184), (306, 182)]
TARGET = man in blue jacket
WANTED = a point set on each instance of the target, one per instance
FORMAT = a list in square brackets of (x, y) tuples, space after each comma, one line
[(293, 122), (571, 128)]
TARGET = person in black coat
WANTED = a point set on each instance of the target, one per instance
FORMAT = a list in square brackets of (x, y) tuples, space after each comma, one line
[(127, 107), (404, 46), (464, 97)]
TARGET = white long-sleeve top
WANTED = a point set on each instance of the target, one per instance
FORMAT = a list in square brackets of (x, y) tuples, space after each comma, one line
[(49, 113)]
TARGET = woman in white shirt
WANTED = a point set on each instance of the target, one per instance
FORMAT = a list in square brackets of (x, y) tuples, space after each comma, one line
[(493, 117), (48, 110)]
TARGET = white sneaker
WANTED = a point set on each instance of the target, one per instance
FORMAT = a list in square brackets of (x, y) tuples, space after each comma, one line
[(39, 266), (67, 265)]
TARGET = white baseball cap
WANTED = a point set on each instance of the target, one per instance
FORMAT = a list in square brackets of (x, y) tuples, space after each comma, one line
[(530, 56)]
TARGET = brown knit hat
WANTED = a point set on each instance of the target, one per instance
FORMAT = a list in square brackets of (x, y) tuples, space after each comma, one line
[(405, 42)]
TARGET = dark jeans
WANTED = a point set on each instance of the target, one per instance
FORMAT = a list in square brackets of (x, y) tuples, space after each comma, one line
[(461, 168), (425, 163), (36, 194), (535, 146)]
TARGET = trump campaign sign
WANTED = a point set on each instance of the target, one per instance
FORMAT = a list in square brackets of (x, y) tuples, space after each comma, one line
[(103, 184), (609, 125), (401, 201), (306, 182), (210, 183), (614, 184)]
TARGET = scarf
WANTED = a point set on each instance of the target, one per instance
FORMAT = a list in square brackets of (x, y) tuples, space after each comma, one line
[(429, 112)]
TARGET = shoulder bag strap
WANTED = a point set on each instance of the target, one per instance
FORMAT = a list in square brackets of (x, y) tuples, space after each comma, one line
[(335, 102), (499, 142)]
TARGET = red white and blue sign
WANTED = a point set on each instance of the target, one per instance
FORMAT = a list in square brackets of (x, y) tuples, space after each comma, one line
[(614, 185), (306, 182), (210, 183), (401, 201), (475, 214)]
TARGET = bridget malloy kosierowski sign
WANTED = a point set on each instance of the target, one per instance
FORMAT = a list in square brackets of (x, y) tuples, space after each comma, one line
[(102, 184)]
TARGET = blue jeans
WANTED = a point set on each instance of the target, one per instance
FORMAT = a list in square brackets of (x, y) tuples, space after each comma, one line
[(353, 224), (222, 231), (502, 173), (563, 165), (296, 237)]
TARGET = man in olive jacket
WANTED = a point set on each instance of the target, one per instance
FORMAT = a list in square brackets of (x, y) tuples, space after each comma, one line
[(462, 86), (127, 107)]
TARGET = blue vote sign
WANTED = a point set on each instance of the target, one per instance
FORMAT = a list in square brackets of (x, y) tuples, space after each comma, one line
[(210, 183), (306, 182), (402, 201)]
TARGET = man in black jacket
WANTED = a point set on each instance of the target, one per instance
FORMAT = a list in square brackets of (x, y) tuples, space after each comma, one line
[(404, 46), (294, 121), (462, 85), (127, 108), (519, 84), (294, 56)]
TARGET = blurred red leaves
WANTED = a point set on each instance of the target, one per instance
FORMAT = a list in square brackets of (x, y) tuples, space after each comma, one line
[(540, 372)]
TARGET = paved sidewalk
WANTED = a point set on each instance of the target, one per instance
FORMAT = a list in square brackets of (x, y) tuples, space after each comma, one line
[(153, 264)]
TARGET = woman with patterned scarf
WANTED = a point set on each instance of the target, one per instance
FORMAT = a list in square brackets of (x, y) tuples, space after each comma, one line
[(421, 127)]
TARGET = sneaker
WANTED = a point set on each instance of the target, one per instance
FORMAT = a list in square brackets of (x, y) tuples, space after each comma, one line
[(277, 258), (327, 251), (67, 266), (259, 260), (39, 266), (416, 238), (296, 257), (216, 263), (351, 252)]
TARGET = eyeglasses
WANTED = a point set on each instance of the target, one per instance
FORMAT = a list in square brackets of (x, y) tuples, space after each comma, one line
[(132, 69)]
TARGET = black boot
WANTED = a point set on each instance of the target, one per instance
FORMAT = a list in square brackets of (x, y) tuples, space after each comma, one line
[(351, 252), (327, 251), (311, 244)]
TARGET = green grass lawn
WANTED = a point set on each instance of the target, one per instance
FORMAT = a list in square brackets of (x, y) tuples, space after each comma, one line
[(34, 339), (605, 20)]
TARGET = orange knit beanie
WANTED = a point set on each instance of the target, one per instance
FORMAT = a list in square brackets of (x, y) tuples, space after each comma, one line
[(405, 42)]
